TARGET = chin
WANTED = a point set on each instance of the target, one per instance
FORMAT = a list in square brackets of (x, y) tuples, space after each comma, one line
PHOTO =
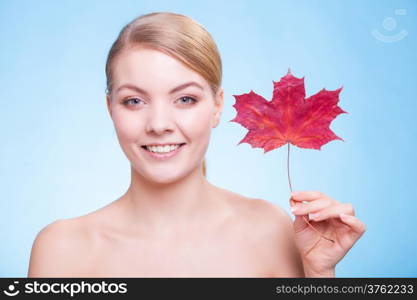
[(163, 177)]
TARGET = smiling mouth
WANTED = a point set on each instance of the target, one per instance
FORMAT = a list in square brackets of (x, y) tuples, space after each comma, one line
[(146, 148)]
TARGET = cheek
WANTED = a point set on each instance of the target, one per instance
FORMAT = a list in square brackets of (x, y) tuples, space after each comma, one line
[(197, 124), (127, 126)]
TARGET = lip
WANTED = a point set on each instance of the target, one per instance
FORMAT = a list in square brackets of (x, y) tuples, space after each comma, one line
[(162, 145), (163, 156)]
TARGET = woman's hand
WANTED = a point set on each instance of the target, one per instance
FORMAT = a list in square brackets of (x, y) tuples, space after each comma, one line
[(318, 254)]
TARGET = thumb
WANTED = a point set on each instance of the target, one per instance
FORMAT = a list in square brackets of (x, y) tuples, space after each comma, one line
[(299, 222)]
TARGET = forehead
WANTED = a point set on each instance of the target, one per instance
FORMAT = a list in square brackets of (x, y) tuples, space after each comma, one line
[(152, 68)]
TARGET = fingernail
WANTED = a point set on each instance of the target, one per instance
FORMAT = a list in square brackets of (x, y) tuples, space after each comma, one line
[(294, 209), (315, 216), (343, 216)]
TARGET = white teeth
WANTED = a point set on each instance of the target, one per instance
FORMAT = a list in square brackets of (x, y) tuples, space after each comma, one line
[(162, 149)]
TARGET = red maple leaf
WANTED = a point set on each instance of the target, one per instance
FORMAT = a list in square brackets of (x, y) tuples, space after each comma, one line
[(289, 117)]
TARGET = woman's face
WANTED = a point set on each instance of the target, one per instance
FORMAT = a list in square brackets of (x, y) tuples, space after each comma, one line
[(149, 107)]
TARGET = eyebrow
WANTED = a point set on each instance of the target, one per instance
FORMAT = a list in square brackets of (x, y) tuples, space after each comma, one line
[(176, 89)]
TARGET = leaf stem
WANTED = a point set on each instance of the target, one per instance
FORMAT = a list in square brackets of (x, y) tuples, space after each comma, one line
[(289, 180)]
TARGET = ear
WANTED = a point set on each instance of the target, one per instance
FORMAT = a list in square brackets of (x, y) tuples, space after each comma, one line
[(218, 107), (109, 107)]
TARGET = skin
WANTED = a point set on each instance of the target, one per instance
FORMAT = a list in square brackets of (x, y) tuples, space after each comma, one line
[(172, 222), (334, 220)]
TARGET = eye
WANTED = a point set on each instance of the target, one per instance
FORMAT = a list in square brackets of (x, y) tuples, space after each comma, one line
[(131, 100), (189, 98)]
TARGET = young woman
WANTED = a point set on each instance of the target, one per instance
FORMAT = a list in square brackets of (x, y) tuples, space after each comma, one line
[(164, 97)]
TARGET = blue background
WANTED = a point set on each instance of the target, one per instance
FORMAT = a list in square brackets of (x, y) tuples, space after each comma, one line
[(60, 157)]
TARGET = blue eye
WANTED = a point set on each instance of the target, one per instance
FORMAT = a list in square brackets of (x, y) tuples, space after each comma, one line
[(135, 101), (192, 99), (129, 100)]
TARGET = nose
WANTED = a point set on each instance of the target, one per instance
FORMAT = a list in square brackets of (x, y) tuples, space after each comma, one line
[(159, 119)]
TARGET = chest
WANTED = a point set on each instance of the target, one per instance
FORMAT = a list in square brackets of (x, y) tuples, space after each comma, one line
[(209, 256)]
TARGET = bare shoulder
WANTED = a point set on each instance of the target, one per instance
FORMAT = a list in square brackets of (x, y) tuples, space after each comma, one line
[(277, 236), (56, 248), (270, 230), (269, 220), (266, 215), (272, 214)]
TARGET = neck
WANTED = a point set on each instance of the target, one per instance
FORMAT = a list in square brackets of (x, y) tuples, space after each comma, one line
[(170, 207)]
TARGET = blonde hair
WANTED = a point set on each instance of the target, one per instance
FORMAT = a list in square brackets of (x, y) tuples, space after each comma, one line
[(176, 35)]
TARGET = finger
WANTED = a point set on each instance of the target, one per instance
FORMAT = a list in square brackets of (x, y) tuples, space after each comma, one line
[(300, 221), (306, 195), (333, 211), (294, 206), (310, 207), (357, 226)]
